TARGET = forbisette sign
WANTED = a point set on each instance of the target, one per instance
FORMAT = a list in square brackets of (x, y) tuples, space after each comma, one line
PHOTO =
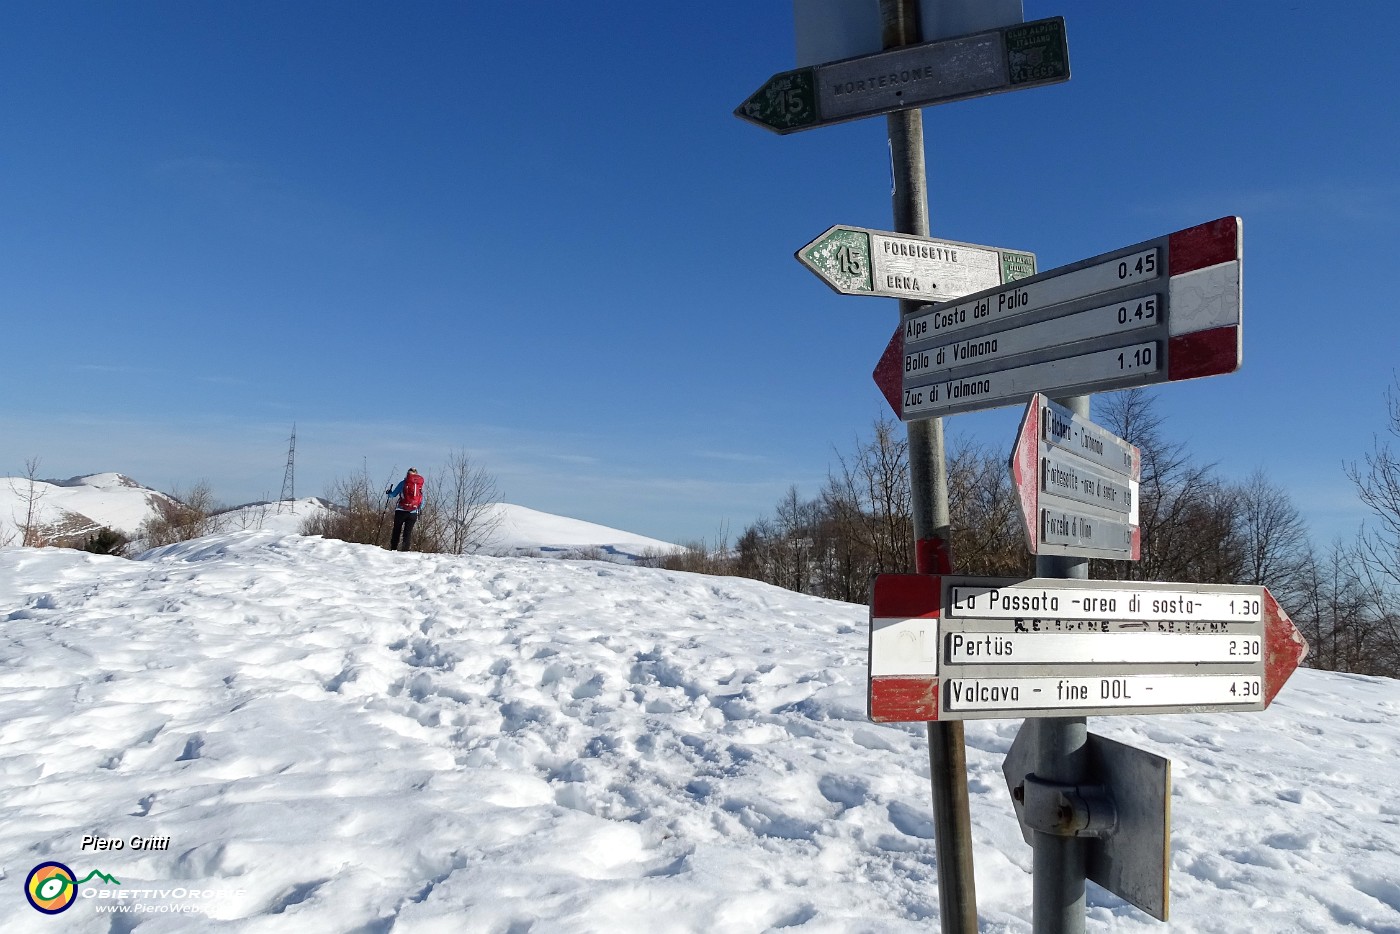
[(858, 261)]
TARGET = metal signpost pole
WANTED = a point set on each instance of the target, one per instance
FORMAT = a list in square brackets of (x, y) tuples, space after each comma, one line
[(928, 477), (1061, 750)]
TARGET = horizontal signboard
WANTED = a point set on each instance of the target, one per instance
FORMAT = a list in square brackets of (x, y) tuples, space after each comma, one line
[(1164, 310), (1008, 58), (859, 261), (950, 648)]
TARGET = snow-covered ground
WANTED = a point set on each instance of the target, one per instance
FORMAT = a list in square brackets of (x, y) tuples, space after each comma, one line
[(323, 737)]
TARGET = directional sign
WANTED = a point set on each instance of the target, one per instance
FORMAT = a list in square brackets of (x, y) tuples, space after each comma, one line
[(1004, 59), (1163, 310), (965, 648), (1076, 484), (857, 261)]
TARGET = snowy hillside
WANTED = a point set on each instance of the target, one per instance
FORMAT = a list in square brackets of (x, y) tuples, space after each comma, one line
[(82, 505), (311, 736), (77, 506), (524, 531)]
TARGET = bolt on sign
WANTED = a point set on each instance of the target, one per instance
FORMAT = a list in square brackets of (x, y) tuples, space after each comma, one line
[(966, 648)]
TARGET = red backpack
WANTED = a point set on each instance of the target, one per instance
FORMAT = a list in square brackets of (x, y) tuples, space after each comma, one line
[(412, 495)]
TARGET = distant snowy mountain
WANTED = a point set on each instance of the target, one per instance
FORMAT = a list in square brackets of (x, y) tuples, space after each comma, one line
[(70, 510), (75, 507)]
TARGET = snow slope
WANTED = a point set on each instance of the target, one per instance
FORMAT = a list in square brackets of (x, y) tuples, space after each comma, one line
[(523, 530), (519, 531), (77, 505), (85, 504), (335, 738)]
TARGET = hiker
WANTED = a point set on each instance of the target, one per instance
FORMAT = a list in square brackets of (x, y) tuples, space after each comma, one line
[(410, 494)]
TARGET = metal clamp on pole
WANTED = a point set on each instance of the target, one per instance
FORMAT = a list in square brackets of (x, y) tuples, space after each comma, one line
[(1066, 810)]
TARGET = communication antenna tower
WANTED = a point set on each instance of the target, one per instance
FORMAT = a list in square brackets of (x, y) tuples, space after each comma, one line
[(288, 485)]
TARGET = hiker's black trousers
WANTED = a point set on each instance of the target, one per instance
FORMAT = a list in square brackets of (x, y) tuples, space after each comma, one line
[(403, 524)]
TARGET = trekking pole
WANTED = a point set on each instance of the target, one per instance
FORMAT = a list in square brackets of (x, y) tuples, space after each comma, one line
[(379, 536)]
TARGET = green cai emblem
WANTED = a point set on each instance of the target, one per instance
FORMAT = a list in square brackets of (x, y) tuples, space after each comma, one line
[(1037, 51), (788, 101), (843, 256)]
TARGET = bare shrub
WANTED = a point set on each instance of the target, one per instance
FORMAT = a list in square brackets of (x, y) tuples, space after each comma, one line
[(697, 557), (182, 517), (106, 541), (457, 515), (586, 553), (358, 512)]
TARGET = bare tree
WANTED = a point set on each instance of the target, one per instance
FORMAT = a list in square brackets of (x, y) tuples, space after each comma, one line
[(31, 531), (1378, 485), (794, 547), (1344, 616), (250, 518), (861, 524), (988, 538), (1272, 537), (358, 512), (460, 514), (695, 556), (783, 549), (864, 524), (1184, 512)]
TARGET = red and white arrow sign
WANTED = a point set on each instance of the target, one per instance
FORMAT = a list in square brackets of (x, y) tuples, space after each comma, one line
[(963, 648), (904, 610), (1076, 484), (1163, 310)]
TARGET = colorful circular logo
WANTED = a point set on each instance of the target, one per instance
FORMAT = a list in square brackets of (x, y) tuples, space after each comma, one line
[(50, 888)]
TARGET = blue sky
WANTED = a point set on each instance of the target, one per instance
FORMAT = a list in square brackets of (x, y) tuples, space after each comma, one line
[(541, 235)]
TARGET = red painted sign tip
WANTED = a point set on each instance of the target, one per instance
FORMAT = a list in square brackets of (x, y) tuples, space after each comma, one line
[(1204, 353), (1284, 648), (889, 372), (1204, 245), (1025, 470)]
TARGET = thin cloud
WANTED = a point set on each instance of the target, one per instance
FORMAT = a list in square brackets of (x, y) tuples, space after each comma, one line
[(736, 457)]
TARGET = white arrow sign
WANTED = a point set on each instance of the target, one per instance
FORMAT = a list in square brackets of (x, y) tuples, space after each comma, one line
[(859, 261), (1076, 484)]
